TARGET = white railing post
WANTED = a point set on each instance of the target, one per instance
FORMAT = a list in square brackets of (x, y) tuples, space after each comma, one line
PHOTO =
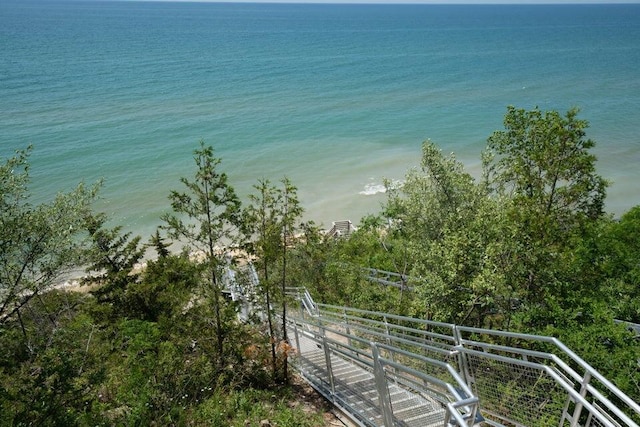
[(381, 386), (390, 355), (583, 392), (297, 336), (327, 357), (463, 363), (347, 329)]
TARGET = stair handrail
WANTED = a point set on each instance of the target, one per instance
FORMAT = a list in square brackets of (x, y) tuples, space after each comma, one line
[(460, 404), (560, 381), (302, 294), (585, 381)]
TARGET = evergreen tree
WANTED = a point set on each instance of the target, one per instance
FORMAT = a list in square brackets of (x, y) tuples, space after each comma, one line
[(270, 223), (113, 256), (261, 226), (206, 217), (157, 242), (291, 211)]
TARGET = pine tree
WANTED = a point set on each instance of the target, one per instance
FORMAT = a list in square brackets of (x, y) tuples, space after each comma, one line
[(205, 217)]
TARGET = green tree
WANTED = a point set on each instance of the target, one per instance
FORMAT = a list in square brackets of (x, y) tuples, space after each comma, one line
[(261, 225), (165, 287), (38, 243), (157, 242), (290, 212), (308, 264), (58, 383), (542, 163), (270, 223), (618, 249), (207, 216), (113, 256), (457, 238)]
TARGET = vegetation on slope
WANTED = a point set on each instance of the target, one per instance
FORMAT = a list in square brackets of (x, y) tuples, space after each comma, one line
[(528, 247)]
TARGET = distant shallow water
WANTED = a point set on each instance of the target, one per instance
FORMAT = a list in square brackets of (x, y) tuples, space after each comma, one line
[(336, 97)]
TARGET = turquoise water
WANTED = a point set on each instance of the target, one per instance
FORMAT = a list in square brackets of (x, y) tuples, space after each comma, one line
[(336, 97)]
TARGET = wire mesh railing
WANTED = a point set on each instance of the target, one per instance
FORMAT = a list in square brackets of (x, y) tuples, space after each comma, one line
[(599, 402), (373, 383), (520, 379)]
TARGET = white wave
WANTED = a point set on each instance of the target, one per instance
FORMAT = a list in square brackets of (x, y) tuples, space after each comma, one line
[(374, 188), (371, 189)]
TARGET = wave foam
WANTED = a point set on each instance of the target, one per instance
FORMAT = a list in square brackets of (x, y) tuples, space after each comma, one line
[(371, 189), (374, 188)]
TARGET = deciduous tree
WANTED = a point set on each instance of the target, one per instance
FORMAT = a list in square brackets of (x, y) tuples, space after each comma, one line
[(457, 238), (543, 163), (38, 243)]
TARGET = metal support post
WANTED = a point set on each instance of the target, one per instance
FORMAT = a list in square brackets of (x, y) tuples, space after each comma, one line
[(327, 357), (583, 392), (297, 336), (382, 387)]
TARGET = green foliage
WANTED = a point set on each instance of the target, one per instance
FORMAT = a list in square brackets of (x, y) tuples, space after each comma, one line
[(54, 383), (113, 256), (207, 216), (543, 161), (459, 241), (269, 225), (158, 243), (528, 249), (38, 243), (166, 286), (143, 349), (291, 211), (263, 231), (249, 407), (113, 253), (209, 203), (162, 369), (619, 245), (608, 346)]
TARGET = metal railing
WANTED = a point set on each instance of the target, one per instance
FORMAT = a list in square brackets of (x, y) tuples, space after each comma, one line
[(519, 379), (545, 371), (388, 278), (452, 373), (341, 229), (400, 393)]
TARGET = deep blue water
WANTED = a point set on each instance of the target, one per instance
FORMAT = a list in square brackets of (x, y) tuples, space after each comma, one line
[(334, 96)]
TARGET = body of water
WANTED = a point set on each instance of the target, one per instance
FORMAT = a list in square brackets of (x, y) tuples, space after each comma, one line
[(336, 97)]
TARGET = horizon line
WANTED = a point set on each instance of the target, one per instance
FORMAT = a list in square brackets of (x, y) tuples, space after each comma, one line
[(403, 2)]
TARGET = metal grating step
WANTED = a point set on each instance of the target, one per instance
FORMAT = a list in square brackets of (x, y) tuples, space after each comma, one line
[(354, 388)]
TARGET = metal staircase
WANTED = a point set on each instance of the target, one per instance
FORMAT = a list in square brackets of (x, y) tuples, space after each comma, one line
[(373, 382), (386, 370)]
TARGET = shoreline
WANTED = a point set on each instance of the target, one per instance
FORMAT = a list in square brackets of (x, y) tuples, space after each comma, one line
[(340, 206)]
